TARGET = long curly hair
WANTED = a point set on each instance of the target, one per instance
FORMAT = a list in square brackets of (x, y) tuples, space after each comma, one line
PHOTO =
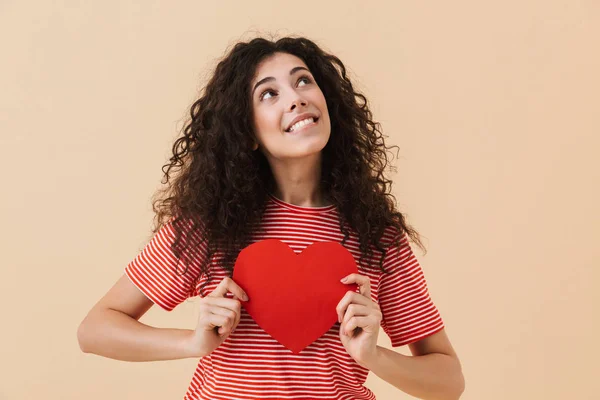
[(217, 186)]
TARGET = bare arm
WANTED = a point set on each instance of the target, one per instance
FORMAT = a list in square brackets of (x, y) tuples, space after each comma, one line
[(111, 329), (433, 372)]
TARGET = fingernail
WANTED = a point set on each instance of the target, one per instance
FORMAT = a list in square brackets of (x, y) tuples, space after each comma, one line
[(344, 279), (245, 298)]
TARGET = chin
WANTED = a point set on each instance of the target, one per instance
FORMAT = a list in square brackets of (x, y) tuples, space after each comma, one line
[(303, 148), (315, 147), (299, 152)]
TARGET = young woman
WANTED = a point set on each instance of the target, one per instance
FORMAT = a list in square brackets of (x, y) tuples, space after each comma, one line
[(279, 146)]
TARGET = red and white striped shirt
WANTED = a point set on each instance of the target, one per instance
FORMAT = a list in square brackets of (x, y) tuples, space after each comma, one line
[(250, 364)]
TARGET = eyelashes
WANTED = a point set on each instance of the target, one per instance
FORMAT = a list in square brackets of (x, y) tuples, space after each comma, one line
[(308, 79)]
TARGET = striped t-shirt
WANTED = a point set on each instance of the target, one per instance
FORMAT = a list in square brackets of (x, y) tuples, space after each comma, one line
[(250, 364)]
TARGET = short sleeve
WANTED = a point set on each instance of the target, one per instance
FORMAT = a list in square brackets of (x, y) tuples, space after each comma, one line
[(409, 314), (155, 271)]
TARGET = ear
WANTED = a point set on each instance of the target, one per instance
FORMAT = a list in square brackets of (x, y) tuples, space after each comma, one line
[(255, 146)]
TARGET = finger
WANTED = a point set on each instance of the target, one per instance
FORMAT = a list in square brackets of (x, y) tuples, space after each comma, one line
[(227, 323), (356, 310), (230, 304), (212, 321), (363, 282), (228, 327), (350, 298), (358, 322), (228, 285), (230, 314), (234, 311)]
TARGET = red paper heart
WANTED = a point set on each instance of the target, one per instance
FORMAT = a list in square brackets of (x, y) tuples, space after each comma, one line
[(293, 297)]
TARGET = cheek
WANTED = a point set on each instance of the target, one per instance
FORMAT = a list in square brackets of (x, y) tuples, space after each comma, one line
[(321, 102), (268, 131), (268, 122)]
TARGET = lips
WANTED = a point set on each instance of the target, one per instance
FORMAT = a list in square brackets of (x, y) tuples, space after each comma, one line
[(300, 118), (304, 126)]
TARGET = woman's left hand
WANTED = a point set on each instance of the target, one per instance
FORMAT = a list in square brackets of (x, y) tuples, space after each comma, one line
[(359, 318)]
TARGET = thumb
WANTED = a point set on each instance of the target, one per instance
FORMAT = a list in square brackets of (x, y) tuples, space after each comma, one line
[(228, 285)]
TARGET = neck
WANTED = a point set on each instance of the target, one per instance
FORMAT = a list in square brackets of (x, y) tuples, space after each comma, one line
[(299, 183)]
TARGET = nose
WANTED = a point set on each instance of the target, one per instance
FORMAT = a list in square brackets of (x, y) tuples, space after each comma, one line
[(298, 101)]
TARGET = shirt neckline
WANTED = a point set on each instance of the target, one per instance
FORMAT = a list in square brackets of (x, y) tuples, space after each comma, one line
[(302, 209)]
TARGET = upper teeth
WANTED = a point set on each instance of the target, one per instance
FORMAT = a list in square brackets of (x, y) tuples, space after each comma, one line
[(300, 124)]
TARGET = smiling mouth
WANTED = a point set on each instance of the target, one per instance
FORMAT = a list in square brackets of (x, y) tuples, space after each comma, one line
[(315, 120)]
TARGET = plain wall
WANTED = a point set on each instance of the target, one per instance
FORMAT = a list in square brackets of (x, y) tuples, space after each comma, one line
[(494, 105)]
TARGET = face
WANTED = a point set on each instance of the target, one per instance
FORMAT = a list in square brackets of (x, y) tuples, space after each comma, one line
[(283, 89)]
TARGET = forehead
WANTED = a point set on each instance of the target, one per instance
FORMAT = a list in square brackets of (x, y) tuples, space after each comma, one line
[(277, 64)]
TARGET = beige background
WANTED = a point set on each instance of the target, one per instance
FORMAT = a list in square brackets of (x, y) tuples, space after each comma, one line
[(495, 107)]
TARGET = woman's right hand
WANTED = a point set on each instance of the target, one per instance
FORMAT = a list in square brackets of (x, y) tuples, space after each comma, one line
[(219, 316)]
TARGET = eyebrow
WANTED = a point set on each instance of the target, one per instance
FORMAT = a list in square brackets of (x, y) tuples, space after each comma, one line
[(270, 78)]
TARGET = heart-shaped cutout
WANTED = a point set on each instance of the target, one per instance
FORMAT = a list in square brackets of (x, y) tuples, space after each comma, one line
[(293, 297)]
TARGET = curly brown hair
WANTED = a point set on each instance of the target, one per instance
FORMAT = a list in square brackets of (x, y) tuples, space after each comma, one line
[(221, 189)]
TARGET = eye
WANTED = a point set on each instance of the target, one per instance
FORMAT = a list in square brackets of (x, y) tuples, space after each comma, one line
[(308, 80), (262, 95), (305, 77)]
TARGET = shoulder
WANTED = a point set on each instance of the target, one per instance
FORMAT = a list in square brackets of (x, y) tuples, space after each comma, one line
[(393, 235)]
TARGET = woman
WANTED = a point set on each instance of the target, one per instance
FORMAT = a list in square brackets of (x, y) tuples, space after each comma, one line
[(279, 146)]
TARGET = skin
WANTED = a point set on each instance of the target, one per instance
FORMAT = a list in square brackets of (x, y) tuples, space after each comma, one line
[(112, 328), (294, 158), (434, 370)]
